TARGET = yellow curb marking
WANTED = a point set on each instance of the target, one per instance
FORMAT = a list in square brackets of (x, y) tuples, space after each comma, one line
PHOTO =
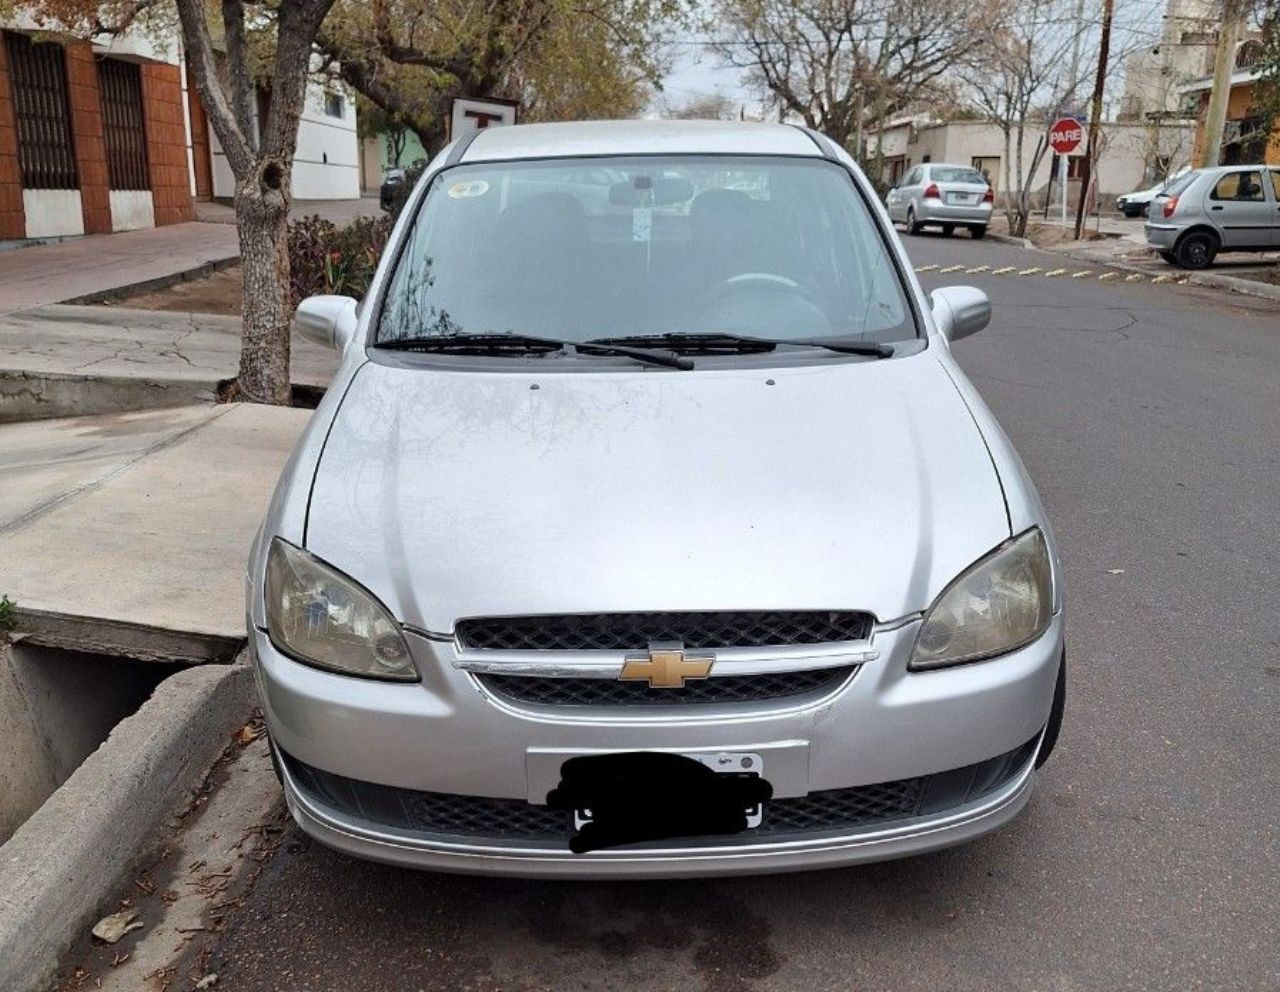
[(1082, 274), (1030, 272), (1108, 276), (925, 268), (1003, 270), (951, 268), (1164, 279), (1055, 272), (1136, 277), (976, 269)]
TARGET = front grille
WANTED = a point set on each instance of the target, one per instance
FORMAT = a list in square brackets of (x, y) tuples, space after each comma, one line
[(537, 691), (444, 813), (497, 820), (836, 808), (635, 631)]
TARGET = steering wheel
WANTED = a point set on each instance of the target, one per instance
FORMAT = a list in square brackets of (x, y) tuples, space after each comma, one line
[(762, 302), (760, 281)]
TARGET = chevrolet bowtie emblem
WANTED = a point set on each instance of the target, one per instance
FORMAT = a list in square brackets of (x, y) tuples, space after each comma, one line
[(666, 666)]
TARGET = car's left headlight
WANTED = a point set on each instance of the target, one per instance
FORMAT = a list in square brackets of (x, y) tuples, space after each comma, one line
[(320, 616), (998, 604)]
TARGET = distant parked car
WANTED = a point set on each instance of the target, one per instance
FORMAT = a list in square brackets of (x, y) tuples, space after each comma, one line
[(1135, 204), (945, 196), (1227, 208), (392, 180)]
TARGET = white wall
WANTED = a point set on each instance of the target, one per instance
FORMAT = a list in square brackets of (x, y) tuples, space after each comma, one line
[(131, 209), (326, 165), (52, 213)]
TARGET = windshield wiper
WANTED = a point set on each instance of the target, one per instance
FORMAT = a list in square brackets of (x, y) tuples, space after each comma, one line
[(721, 341), (489, 343)]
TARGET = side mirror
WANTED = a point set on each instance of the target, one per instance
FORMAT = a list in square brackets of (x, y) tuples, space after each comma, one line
[(960, 311), (327, 320)]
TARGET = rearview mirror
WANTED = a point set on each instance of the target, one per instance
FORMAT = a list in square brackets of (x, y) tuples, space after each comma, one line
[(643, 190), (327, 320), (960, 311)]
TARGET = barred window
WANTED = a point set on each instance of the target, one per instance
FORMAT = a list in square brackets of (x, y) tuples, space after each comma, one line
[(120, 86), (38, 75)]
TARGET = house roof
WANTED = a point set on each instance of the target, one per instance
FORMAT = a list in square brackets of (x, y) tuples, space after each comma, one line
[(1241, 78)]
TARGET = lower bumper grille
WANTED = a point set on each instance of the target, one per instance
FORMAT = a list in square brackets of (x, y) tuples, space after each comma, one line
[(831, 810), (538, 691)]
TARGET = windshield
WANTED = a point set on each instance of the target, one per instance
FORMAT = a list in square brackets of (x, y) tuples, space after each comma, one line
[(583, 249), (957, 175)]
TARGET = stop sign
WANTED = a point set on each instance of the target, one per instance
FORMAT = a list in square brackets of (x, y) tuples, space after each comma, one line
[(1065, 135)]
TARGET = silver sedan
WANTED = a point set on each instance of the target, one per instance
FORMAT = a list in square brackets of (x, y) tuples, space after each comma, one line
[(942, 196), (655, 533), (1228, 208)]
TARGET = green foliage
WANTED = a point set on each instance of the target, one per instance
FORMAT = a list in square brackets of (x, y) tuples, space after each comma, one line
[(8, 611), (561, 59), (1266, 90), (325, 258)]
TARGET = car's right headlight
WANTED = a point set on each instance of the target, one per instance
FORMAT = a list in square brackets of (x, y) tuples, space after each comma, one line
[(998, 604), (319, 616)]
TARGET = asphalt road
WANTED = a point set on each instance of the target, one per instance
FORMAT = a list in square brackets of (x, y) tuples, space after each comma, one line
[(1149, 857)]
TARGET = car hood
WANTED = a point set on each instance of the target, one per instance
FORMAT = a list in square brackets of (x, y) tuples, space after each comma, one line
[(841, 485)]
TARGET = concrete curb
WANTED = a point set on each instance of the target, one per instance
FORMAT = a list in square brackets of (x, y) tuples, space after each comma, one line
[(74, 853), (1235, 284), (159, 282), (31, 395), (1006, 239), (1210, 280)]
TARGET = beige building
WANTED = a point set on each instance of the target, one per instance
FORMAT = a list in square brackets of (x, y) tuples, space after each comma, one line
[(1133, 154)]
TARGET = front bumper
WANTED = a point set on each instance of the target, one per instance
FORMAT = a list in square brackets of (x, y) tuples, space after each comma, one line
[(938, 212), (448, 735), (739, 855)]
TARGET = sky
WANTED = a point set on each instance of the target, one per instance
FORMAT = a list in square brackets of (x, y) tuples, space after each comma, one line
[(697, 71)]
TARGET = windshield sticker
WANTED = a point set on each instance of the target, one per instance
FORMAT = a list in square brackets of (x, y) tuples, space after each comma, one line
[(641, 223), (464, 191)]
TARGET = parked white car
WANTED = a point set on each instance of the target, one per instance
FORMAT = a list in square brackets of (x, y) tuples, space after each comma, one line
[(1137, 203)]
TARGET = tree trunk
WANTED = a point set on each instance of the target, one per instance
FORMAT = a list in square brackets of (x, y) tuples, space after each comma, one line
[(262, 219)]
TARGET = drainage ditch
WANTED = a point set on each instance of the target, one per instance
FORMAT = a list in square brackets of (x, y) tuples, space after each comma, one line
[(56, 707)]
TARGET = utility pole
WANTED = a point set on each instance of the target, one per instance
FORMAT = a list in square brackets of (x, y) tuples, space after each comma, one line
[(1095, 115), (1223, 62), (1077, 46)]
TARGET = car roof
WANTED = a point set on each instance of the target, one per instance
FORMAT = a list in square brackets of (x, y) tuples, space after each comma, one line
[(640, 137)]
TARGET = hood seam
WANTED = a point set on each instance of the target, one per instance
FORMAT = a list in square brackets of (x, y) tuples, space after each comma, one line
[(1004, 496), (315, 472)]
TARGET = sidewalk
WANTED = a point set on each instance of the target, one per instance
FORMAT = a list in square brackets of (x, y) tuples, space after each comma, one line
[(63, 360), (99, 263), (140, 524), (338, 211)]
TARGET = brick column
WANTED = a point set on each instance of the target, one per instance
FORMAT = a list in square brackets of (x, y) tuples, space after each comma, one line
[(13, 220), (166, 143), (86, 132)]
